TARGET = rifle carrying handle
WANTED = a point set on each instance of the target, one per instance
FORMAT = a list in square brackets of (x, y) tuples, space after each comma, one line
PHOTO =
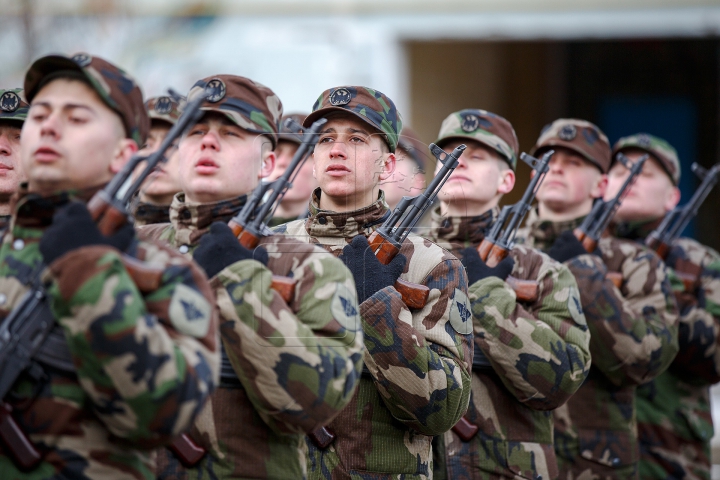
[(20, 448), (322, 437), (414, 295), (465, 430), (188, 452)]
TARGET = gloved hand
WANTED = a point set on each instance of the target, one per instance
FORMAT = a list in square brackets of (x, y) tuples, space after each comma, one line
[(220, 247), (73, 228), (566, 247), (370, 275), (477, 269)]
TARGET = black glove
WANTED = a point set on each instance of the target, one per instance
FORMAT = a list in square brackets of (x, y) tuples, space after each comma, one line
[(370, 275), (220, 247), (73, 227), (565, 247), (477, 269)]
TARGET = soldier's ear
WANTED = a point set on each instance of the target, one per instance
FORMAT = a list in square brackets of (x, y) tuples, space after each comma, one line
[(126, 148), (672, 198), (267, 162), (599, 188), (388, 166), (506, 181)]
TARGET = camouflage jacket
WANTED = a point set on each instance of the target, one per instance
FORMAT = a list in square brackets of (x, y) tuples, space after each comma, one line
[(298, 364), (539, 354), (147, 213), (674, 421), (4, 222), (419, 360), (633, 338), (143, 365)]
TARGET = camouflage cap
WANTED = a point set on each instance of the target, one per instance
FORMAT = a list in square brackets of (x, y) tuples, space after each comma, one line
[(165, 108), (115, 87), (665, 154), (371, 106), (580, 136), (13, 105), (484, 127), (410, 143), (290, 135), (250, 105)]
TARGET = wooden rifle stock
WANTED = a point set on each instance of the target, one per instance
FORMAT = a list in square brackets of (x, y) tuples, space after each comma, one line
[(284, 286), (465, 430), (187, 451), (322, 437), (525, 290), (20, 448), (414, 295)]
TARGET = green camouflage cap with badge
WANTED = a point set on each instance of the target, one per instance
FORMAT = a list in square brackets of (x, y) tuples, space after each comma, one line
[(371, 106), (250, 105), (482, 126), (290, 134), (580, 136), (165, 108), (663, 152), (13, 105), (115, 87)]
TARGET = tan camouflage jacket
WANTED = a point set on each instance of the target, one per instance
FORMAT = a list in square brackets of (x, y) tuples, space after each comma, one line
[(633, 339), (418, 384), (147, 214), (539, 354), (144, 363), (298, 364)]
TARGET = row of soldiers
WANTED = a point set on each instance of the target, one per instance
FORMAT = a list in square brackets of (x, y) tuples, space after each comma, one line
[(589, 380)]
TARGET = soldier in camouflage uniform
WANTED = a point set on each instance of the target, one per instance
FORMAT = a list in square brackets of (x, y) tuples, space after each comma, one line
[(633, 328), (294, 203), (290, 367), (674, 421), (141, 365), (417, 382), (408, 179), (13, 111), (152, 204), (536, 354)]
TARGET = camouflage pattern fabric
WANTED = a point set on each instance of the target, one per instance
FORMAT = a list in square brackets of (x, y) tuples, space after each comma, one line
[(146, 213), (674, 421), (539, 354), (655, 146), (371, 106), (13, 106), (580, 136), (633, 339), (298, 363), (4, 222), (114, 86), (485, 127), (145, 364), (418, 360)]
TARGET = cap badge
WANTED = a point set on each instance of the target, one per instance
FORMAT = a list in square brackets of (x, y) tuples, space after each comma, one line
[(9, 102), (339, 97), (643, 140), (217, 90), (470, 122), (82, 59), (567, 133), (163, 105)]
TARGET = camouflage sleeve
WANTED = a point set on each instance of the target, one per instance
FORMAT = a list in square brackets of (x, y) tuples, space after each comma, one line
[(148, 373), (299, 363), (634, 328), (699, 327), (540, 351), (420, 361)]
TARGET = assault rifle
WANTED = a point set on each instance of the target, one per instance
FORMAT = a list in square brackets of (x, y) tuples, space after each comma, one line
[(500, 240), (592, 228), (666, 234), (24, 331), (250, 224)]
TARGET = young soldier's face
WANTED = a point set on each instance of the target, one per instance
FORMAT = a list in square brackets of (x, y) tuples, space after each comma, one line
[(304, 182), (350, 160), (479, 180), (11, 171), (164, 180), (71, 139), (219, 160), (571, 182), (650, 197)]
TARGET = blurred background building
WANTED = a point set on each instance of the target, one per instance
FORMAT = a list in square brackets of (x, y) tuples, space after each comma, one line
[(627, 65)]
